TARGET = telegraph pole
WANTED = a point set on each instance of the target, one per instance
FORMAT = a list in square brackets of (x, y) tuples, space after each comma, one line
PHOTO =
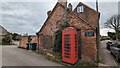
[(98, 32), (97, 5)]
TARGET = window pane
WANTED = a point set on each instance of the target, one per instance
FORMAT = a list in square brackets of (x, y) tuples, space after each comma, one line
[(89, 33), (80, 9)]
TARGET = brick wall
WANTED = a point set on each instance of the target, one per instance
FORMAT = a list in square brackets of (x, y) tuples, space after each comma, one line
[(88, 43), (23, 41), (88, 46), (34, 39), (50, 25), (89, 14)]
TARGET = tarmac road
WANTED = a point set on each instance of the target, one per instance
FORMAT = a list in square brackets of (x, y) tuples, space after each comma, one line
[(107, 58), (13, 56)]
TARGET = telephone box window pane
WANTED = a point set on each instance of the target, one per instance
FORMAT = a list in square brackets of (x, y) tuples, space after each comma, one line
[(89, 33), (67, 56)]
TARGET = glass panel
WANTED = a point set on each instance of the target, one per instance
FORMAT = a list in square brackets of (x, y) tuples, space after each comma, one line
[(67, 45), (66, 50), (67, 56), (80, 9), (89, 33)]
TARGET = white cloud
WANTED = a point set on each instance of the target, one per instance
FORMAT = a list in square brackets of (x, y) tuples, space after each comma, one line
[(24, 17), (28, 16), (93, 0), (29, 0), (57, 0), (104, 31)]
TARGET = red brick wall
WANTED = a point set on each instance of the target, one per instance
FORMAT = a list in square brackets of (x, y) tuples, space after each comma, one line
[(88, 46), (50, 27), (23, 41), (34, 39), (88, 43), (51, 23), (89, 14)]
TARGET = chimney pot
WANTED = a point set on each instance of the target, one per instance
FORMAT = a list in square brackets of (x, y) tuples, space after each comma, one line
[(70, 6)]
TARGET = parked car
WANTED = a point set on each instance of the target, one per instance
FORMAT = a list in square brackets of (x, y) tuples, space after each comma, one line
[(108, 44), (115, 51)]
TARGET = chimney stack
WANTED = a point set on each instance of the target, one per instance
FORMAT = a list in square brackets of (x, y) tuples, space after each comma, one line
[(49, 13), (63, 2), (70, 6)]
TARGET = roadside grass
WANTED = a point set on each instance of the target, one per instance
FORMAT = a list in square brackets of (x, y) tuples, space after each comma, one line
[(5, 45), (57, 58), (87, 64)]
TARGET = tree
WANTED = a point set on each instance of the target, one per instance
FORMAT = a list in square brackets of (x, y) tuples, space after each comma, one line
[(6, 39), (114, 23), (16, 36), (112, 35), (29, 39)]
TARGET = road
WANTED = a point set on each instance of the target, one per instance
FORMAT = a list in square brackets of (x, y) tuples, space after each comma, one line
[(13, 56), (107, 58)]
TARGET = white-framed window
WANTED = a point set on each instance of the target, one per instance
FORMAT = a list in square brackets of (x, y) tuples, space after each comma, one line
[(80, 9)]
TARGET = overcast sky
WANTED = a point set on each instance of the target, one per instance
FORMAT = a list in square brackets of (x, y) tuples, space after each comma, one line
[(28, 16)]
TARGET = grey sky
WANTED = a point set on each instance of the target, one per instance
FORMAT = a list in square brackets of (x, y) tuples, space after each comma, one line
[(25, 17), (28, 17)]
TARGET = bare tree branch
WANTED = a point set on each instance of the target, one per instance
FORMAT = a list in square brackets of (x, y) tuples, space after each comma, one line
[(114, 23)]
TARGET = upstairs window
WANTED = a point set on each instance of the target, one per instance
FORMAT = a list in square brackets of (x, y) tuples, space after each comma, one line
[(89, 33), (80, 9)]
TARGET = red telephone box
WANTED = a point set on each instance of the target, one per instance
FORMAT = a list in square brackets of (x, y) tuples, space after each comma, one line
[(69, 45)]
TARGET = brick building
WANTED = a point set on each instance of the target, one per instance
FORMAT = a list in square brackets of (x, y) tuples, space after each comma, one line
[(82, 17), (34, 38), (3, 32), (24, 40)]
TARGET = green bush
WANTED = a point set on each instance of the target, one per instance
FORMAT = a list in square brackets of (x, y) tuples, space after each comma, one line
[(6, 40), (58, 39), (112, 35), (16, 36)]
